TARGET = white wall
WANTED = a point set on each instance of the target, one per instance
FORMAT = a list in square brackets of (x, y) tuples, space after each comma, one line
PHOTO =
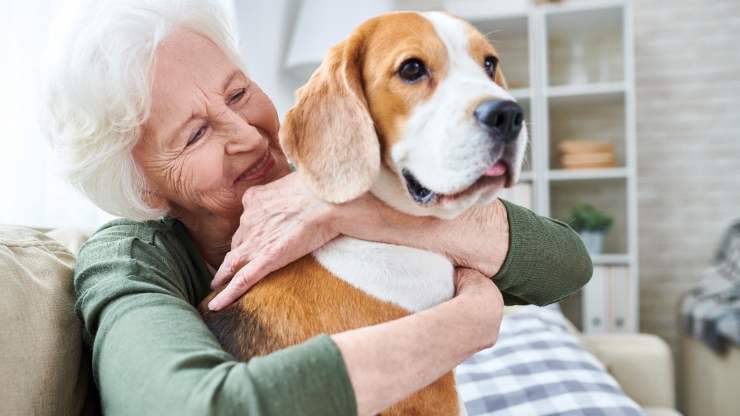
[(688, 133), (31, 191), (264, 33)]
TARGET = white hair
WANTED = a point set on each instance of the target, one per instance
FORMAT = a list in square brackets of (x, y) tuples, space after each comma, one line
[(97, 89)]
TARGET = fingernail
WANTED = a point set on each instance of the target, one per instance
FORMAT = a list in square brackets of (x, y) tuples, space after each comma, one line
[(212, 305)]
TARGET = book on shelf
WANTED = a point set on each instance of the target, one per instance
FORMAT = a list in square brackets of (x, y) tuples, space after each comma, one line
[(607, 301), (519, 194), (586, 154)]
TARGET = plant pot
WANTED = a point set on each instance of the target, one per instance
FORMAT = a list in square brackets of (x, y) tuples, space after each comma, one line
[(593, 240)]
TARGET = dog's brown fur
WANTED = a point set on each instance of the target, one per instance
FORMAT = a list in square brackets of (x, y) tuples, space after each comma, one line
[(303, 300)]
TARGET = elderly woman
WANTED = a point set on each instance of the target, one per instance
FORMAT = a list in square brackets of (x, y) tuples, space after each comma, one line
[(162, 126)]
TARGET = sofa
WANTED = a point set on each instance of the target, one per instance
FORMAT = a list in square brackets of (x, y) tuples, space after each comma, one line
[(46, 369), (709, 382)]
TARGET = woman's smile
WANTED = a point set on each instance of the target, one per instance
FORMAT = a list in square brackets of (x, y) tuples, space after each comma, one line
[(259, 169)]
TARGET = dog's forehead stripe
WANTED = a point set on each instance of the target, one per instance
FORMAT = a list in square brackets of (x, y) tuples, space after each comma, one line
[(463, 44), (453, 33)]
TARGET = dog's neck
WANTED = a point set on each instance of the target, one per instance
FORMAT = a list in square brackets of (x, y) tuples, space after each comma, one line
[(411, 278)]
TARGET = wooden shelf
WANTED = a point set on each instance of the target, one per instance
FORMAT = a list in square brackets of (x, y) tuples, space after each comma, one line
[(565, 94), (585, 174)]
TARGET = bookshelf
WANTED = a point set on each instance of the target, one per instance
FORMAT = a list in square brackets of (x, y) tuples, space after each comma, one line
[(571, 66)]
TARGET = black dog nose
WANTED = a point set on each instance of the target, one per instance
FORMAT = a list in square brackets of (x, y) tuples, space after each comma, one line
[(503, 117)]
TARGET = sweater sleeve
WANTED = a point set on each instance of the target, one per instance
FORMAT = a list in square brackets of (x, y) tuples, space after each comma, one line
[(546, 262), (152, 353)]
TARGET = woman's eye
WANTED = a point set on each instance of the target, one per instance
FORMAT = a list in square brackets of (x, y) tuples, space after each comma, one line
[(489, 64), (412, 70), (238, 96), (197, 135)]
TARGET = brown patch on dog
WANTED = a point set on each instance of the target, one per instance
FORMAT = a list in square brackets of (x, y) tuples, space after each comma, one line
[(479, 48), (303, 300), (398, 37)]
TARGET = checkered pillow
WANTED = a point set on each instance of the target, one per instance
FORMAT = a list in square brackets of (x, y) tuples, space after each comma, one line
[(537, 367)]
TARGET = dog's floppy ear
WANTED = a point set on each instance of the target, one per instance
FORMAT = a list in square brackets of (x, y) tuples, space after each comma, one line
[(329, 133), (500, 80)]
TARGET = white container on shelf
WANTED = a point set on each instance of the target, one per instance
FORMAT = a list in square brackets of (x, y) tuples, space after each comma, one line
[(578, 73), (593, 240)]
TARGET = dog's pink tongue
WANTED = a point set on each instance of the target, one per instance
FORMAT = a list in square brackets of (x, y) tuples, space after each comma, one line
[(495, 170)]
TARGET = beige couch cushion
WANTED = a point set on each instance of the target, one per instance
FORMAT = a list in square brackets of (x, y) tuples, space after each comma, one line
[(42, 370), (642, 364)]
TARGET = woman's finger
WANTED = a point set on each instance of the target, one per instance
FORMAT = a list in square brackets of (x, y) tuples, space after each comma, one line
[(250, 274), (233, 262)]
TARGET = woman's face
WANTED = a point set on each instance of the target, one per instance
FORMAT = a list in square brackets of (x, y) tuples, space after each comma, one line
[(212, 133)]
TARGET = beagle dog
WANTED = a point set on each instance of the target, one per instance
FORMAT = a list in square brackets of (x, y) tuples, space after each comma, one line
[(412, 107)]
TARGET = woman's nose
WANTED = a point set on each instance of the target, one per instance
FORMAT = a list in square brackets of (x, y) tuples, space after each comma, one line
[(242, 138)]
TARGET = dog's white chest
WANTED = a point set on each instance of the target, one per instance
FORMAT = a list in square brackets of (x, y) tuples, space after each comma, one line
[(411, 278)]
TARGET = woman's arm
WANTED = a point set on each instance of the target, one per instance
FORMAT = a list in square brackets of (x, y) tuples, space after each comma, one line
[(477, 239), (389, 362), (152, 354), (532, 259)]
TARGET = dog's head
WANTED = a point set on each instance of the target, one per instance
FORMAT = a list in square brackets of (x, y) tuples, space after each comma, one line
[(413, 107)]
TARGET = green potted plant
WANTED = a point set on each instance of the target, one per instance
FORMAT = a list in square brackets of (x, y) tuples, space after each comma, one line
[(591, 224)]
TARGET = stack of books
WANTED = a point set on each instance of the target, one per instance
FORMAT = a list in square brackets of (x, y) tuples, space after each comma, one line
[(586, 154)]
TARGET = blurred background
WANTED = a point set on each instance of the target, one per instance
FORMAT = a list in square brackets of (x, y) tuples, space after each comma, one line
[(635, 141)]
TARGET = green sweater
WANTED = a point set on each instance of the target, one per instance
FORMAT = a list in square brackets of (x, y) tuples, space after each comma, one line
[(137, 285)]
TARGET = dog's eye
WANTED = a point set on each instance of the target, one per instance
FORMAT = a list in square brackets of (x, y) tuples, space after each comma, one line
[(489, 64), (412, 70)]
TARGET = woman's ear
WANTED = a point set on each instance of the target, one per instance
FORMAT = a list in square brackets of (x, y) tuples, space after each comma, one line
[(329, 133)]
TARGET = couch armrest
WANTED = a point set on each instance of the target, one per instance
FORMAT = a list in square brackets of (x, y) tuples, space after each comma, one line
[(71, 238), (641, 364)]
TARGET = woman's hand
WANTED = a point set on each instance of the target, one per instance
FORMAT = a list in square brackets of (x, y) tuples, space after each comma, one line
[(483, 302), (282, 222)]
